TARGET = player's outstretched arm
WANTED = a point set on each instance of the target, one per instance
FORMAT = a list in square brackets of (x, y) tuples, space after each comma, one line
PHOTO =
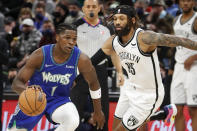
[(108, 50), (88, 71), (25, 73), (159, 39)]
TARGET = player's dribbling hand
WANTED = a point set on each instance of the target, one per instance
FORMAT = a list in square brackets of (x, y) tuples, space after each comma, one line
[(36, 87), (120, 79), (98, 119)]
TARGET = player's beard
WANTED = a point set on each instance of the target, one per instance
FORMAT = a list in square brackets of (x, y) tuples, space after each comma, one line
[(125, 31), (188, 11)]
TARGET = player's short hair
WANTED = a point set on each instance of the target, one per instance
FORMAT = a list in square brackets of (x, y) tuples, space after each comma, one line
[(63, 27)]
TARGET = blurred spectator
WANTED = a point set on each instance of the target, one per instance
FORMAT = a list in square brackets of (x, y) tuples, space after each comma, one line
[(9, 24), (60, 13), (158, 12), (66, 2), (1, 22), (48, 33), (49, 5), (75, 13), (172, 7), (13, 7), (26, 43), (24, 13), (40, 15), (141, 6), (4, 53)]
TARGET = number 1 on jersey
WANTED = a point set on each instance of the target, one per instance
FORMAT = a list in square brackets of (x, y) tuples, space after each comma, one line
[(53, 90)]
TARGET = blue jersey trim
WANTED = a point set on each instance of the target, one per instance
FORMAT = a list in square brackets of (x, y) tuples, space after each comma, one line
[(43, 62), (77, 62), (51, 55)]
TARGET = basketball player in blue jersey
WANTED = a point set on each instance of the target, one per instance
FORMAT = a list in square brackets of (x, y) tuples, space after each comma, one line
[(54, 68), (143, 91)]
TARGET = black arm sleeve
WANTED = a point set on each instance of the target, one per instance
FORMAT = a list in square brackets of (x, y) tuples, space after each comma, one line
[(98, 57)]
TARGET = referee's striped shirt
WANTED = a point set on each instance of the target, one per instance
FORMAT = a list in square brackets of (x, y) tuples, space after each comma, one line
[(91, 38)]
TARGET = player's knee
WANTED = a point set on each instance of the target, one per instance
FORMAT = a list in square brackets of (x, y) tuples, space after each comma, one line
[(70, 123), (74, 120)]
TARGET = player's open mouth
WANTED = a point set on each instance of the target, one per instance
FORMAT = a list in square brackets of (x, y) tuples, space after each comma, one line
[(118, 28), (68, 48)]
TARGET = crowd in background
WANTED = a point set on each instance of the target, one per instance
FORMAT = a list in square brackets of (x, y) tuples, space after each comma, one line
[(29, 24), (26, 25)]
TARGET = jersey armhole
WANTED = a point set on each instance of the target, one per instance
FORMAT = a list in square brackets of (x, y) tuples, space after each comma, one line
[(76, 64), (113, 43), (148, 54), (194, 31), (43, 61)]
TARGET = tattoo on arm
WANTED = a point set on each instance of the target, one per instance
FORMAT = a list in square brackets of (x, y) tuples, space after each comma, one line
[(159, 39), (195, 25)]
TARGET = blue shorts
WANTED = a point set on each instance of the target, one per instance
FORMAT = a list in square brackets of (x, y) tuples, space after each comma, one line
[(20, 120)]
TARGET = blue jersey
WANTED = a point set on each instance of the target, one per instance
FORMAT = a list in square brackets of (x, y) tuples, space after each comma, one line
[(56, 79)]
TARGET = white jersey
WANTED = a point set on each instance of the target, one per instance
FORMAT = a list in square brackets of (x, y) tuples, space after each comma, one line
[(184, 30), (143, 69)]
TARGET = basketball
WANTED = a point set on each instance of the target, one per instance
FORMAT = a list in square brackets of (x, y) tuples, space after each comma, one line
[(32, 101)]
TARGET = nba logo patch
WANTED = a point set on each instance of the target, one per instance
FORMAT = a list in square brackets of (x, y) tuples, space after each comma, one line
[(194, 97), (118, 10), (132, 121)]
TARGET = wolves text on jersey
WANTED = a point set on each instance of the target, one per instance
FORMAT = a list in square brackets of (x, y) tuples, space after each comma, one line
[(58, 78)]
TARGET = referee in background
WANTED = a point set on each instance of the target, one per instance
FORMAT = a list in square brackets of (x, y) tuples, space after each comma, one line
[(91, 35)]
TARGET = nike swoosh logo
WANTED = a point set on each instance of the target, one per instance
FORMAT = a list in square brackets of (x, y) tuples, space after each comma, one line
[(48, 65)]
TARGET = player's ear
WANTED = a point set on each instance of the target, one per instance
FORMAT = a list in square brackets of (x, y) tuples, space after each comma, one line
[(83, 9), (133, 20), (57, 37)]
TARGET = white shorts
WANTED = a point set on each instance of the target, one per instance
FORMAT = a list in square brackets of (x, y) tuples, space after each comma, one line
[(184, 86), (135, 106)]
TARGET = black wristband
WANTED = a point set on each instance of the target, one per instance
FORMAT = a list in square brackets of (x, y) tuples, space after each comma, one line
[(98, 57)]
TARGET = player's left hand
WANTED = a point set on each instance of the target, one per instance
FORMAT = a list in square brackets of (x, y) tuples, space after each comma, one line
[(98, 119), (35, 87), (188, 63), (120, 79)]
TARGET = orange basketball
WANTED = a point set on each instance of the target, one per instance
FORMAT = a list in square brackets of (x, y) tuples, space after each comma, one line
[(32, 101)]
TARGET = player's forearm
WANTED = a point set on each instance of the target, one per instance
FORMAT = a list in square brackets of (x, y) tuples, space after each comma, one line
[(117, 63), (159, 39), (18, 86), (98, 57), (170, 40), (95, 93), (97, 105)]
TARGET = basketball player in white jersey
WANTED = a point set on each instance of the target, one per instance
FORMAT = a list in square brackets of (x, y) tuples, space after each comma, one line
[(143, 91), (183, 87)]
